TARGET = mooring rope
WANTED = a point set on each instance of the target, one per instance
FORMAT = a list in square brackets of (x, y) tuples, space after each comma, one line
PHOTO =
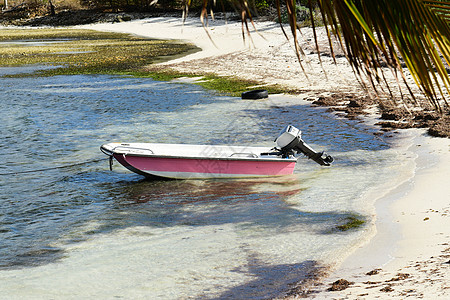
[(54, 168)]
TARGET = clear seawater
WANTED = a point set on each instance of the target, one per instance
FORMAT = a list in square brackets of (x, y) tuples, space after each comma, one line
[(76, 230)]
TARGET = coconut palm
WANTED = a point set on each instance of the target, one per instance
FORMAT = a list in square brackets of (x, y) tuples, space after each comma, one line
[(376, 33), (379, 32)]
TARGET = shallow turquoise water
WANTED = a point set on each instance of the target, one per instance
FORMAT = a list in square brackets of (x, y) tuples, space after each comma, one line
[(83, 231)]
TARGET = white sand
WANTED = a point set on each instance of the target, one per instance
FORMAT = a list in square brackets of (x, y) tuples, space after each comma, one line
[(413, 221), (267, 56), (413, 236)]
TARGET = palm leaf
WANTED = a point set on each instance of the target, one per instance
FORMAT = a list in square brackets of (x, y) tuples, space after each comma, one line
[(381, 31)]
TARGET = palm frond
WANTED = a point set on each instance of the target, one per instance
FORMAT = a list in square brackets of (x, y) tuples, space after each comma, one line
[(374, 33), (439, 7)]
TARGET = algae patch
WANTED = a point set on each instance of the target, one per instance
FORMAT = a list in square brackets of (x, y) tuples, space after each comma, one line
[(351, 222), (77, 51), (84, 51), (229, 85)]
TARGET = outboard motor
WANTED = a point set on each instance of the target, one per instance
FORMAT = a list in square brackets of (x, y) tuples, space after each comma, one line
[(290, 142)]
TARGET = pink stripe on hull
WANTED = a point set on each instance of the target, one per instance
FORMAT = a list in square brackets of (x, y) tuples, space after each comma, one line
[(207, 166)]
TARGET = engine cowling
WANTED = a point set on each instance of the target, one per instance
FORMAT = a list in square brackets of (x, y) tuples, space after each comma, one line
[(290, 143)]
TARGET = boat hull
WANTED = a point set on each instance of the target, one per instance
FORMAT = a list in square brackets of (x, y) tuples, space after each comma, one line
[(185, 161), (203, 168)]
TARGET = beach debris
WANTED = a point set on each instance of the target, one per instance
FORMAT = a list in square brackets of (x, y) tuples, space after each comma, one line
[(327, 101), (399, 276), (339, 285), (371, 283), (373, 272), (406, 292), (440, 128), (387, 289)]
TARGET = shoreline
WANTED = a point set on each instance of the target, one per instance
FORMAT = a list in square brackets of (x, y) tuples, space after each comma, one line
[(409, 255), (420, 254)]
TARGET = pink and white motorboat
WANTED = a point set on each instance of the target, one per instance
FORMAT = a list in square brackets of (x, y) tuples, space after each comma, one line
[(186, 161)]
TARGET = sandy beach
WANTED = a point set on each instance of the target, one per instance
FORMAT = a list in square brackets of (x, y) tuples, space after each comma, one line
[(409, 254)]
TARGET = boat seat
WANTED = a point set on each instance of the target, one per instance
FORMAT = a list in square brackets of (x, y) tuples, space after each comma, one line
[(244, 155)]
